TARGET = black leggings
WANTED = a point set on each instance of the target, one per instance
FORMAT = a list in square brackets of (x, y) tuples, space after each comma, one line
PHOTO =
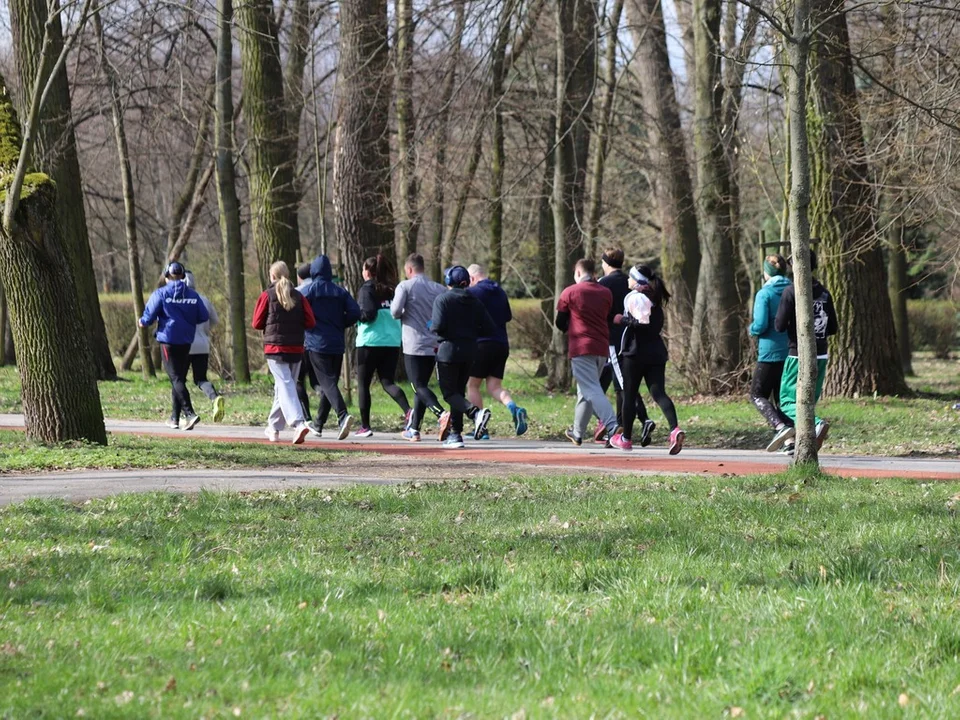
[(453, 384), (176, 361), (635, 372), (419, 371), (200, 364), (306, 374), (383, 362), (327, 368), (765, 385)]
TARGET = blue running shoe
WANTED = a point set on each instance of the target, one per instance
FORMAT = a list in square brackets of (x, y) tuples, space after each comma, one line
[(454, 441), (520, 421), (411, 435)]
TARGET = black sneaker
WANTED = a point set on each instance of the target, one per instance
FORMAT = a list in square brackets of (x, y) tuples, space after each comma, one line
[(784, 435), (788, 448), (646, 433), (189, 421), (822, 430), (568, 433)]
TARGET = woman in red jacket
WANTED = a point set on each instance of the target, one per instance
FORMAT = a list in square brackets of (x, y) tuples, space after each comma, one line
[(284, 316)]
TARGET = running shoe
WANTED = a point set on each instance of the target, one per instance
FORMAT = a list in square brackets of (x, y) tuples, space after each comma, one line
[(272, 435), (520, 421), (485, 436), (784, 435), (173, 424), (407, 417), (444, 426), (218, 409), (788, 448), (676, 440), (600, 434), (363, 432), (300, 434), (345, 427), (189, 421), (454, 441), (646, 432), (575, 439), (621, 443), (411, 435), (315, 429), (483, 419), (822, 430)]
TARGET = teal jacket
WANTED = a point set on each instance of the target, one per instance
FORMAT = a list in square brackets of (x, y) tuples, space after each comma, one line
[(773, 345), (377, 327)]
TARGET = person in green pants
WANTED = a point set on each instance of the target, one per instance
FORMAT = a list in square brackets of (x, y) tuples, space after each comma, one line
[(824, 325)]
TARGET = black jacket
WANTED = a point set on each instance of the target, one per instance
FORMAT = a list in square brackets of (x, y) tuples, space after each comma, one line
[(824, 317), (616, 283), (641, 343), (458, 320), (371, 302)]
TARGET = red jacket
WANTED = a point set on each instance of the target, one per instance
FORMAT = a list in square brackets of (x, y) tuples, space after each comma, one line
[(582, 312), (262, 312)]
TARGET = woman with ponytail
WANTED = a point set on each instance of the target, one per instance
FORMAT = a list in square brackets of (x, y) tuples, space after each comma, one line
[(378, 339), (643, 357), (284, 316)]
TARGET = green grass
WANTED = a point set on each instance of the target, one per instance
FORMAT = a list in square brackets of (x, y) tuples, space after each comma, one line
[(599, 596), (127, 451), (925, 424)]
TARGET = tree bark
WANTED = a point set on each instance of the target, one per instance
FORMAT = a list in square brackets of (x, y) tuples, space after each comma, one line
[(361, 163), (229, 204), (129, 200), (3, 327), (680, 240), (898, 286), (61, 401), (495, 266), (274, 197), (56, 155), (864, 358), (715, 342), (406, 130)]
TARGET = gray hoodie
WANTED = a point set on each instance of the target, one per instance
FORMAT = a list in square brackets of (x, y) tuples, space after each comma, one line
[(201, 340), (413, 306)]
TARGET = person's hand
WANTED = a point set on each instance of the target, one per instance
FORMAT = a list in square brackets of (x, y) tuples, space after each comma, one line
[(140, 323)]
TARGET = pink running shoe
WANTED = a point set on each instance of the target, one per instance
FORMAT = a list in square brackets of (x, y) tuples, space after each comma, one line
[(621, 443), (676, 440), (363, 432)]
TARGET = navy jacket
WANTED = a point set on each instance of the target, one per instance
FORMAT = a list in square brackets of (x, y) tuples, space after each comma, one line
[(495, 300), (616, 282), (177, 310), (332, 307)]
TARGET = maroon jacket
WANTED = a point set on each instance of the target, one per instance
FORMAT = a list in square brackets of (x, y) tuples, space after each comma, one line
[(582, 312)]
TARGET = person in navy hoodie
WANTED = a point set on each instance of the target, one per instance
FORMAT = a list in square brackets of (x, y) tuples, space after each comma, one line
[(335, 310), (177, 310)]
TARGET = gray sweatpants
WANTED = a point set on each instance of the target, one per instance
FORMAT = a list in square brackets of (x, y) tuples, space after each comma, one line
[(591, 400)]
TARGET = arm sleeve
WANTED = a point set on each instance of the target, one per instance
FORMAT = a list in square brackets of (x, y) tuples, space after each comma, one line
[(437, 318), (309, 319), (367, 301), (785, 311), (151, 310), (212, 311), (484, 322), (509, 312), (399, 300), (761, 319), (202, 314), (260, 313), (562, 320), (351, 311), (832, 323)]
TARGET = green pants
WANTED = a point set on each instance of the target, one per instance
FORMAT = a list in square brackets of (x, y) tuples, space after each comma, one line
[(788, 386)]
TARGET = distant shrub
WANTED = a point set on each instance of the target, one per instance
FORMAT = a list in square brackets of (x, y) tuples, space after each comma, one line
[(119, 320), (529, 329), (933, 326)]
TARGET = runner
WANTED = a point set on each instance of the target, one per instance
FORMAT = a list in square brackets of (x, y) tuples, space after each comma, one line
[(378, 339), (177, 310), (413, 306), (306, 369), (334, 311), (200, 356), (644, 357), (824, 325), (492, 352), (772, 348), (459, 319), (582, 312), (283, 314)]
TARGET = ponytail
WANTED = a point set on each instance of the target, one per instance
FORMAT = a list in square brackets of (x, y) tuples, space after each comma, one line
[(384, 275), (280, 274), (654, 288)]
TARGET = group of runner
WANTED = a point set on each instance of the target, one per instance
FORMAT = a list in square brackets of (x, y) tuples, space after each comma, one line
[(458, 331)]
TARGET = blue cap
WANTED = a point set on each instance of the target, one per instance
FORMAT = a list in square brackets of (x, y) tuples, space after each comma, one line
[(175, 269), (457, 276)]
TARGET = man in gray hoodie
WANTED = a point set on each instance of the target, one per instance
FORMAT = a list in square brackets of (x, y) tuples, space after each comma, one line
[(413, 306)]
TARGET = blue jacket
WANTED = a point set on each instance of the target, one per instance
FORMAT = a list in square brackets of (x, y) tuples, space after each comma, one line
[(494, 299), (773, 345), (333, 308), (177, 310)]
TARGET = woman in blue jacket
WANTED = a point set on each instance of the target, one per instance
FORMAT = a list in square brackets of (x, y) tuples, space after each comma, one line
[(772, 345)]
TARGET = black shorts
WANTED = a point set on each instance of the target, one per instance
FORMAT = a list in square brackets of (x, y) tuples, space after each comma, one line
[(490, 360)]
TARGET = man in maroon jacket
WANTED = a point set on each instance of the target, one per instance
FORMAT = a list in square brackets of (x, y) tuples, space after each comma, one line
[(582, 313)]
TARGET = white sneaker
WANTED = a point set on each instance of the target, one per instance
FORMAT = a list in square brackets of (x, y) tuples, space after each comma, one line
[(272, 435), (300, 434), (345, 427)]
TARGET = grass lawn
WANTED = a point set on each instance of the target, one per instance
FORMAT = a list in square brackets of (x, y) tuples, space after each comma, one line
[(597, 596), (884, 426)]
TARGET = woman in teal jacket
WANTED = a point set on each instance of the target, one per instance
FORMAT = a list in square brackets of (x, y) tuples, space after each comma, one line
[(773, 345)]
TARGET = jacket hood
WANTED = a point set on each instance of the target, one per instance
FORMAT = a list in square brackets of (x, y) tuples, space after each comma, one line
[(320, 268), (177, 288), (190, 281), (778, 280)]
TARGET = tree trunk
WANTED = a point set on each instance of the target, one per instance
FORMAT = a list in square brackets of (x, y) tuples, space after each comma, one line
[(545, 243), (898, 286), (680, 240), (227, 200), (361, 163), (56, 154), (3, 327), (495, 266), (406, 129), (863, 356), (61, 401), (129, 201), (595, 208), (798, 49), (576, 76), (273, 197), (715, 342)]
